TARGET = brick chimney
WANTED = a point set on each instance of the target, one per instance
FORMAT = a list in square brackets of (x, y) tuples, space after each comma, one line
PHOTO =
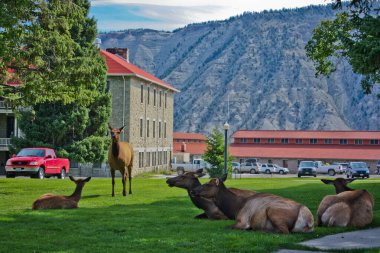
[(122, 52)]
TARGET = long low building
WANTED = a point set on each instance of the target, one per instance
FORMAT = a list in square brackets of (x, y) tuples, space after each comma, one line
[(288, 148)]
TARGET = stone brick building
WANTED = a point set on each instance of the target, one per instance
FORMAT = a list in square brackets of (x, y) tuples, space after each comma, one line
[(144, 104)]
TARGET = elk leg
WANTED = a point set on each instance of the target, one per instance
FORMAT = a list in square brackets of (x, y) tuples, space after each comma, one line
[(113, 182), (130, 178), (279, 217), (124, 179)]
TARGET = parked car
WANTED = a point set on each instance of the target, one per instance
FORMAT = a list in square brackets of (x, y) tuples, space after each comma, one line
[(268, 168), (358, 169), (330, 169), (235, 167), (307, 168), (195, 165), (378, 168), (344, 166), (38, 163), (249, 167)]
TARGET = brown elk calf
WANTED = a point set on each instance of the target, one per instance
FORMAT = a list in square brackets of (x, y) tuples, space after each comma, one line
[(262, 211), (190, 181), (51, 201), (348, 208)]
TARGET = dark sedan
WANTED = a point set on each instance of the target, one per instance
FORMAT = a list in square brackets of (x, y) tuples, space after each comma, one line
[(358, 169)]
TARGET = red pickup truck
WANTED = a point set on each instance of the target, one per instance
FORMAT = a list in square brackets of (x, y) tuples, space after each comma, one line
[(37, 163)]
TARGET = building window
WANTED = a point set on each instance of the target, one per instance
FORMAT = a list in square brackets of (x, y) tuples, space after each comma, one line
[(141, 159), (328, 141), (165, 131), (270, 161), (147, 128), (313, 141), (107, 86), (284, 141), (374, 142), (298, 141), (166, 100), (270, 140), (154, 129), (148, 96), (243, 140), (159, 129), (160, 98), (147, 159), (256, 140), (358, 141), (153, 158), (141, 128), (343, 141), (142, 94), (154, 97)]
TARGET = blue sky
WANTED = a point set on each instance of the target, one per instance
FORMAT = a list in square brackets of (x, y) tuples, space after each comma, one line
[(167, 15)]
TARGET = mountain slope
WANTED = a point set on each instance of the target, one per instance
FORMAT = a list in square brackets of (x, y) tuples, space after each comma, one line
[(257, 62)]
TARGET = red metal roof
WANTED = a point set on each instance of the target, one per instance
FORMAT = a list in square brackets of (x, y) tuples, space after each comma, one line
[(119, 66), (188, 136), (337, 152), (290, 134), (192, 148)]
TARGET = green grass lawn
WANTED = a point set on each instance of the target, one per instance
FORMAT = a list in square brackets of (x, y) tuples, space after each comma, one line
[(155, 218)]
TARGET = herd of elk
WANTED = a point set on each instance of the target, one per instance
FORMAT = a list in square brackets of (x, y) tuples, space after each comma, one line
[(120, 157), (51, 201), (261, 211), (190, 181), (348, 207)]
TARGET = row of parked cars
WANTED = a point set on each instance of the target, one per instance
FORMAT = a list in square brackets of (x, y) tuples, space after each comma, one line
[(351, 169), (255, 168)]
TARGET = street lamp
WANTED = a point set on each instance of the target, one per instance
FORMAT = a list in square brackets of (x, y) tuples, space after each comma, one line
[(226, 127)]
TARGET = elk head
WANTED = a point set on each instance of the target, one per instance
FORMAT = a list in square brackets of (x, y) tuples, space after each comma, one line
[(115, 132), (339, 183), (186, 180)]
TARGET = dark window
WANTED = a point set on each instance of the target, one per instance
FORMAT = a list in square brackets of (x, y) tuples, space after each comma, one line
[(148, 96), (284, 141), (256, 140), (298, 141), (141, 128), (313, 141), (328, 141), (166, 100), (154, 97), (343, 141), (147, 128), (108, 86), (160, 98), (270, 140), (142, 94), (159, 129), (243, 140), (165, 131), (374, 142), (358, 141)]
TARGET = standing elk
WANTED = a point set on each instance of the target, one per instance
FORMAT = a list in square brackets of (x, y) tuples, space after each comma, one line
[(120, 157), (348, 207), (51, 201), (262, 211), (190, 181)]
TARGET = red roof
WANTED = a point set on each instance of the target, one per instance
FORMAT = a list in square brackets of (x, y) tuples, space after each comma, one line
[(119, 66), (192, 148), (188, 136), (337, 152), (290, 134)]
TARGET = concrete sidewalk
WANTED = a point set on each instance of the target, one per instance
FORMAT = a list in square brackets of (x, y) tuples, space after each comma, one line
[(360, 239)]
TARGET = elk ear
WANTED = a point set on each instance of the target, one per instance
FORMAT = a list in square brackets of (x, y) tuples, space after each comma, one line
[(87, 179), (199, 173), (350, 180), (121, 128), (327, 181), (224, 177), (72, 178)]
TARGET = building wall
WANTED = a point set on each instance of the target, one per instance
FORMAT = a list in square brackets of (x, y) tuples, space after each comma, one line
[(152, 147)]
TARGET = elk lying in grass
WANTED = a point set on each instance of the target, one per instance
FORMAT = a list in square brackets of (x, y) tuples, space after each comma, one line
[(348, 208), (262, 211), (190, 181), (120, 157), (51, 201)]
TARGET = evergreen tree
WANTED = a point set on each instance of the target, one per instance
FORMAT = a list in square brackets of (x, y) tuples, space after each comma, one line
[(215, 154), (68, 108), (354, 34)]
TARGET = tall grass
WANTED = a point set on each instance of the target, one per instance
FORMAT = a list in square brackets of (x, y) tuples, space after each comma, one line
[(155, 218)]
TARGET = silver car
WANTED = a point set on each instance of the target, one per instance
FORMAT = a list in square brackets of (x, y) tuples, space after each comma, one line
[(268, 168)]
